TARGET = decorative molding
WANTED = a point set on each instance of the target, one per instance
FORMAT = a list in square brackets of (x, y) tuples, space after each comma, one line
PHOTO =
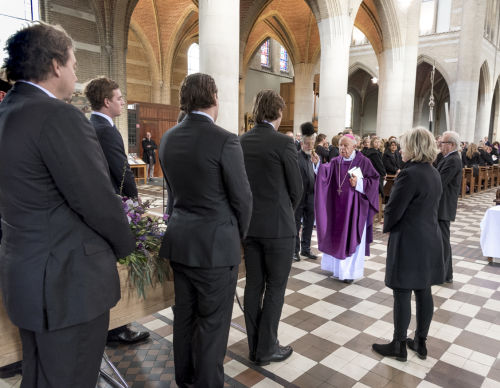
[(72, 12), (88, 47)]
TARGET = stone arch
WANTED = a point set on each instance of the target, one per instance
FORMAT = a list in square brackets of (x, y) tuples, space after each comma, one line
[(151, 59), (364, 110), (422, 94), (361, 66), (484, 102), (185, 28), (432, 61), (283, 36)]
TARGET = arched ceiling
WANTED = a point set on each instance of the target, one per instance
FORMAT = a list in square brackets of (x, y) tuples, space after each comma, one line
[(163, 23), (368, 21), (291, 23)]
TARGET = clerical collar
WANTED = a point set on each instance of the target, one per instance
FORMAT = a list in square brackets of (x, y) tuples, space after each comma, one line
[(39, 87), (110, 120), (197, 112), (271, 124), (353, 155)]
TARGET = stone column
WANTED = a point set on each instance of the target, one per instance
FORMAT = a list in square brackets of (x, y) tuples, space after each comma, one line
[(483, 116), (463, 92), (397, 74), (304, 94), (219, 54), (335, 36)]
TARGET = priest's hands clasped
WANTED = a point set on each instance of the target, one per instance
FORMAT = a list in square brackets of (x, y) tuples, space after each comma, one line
[(354, 180)]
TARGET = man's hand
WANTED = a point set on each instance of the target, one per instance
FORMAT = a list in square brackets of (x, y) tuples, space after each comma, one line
[(314, 158), (353, 180)]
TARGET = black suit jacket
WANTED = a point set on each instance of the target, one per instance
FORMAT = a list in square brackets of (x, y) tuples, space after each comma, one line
[(450, 169), (306, 172), (63, 225), (211, 198), (148, 150), (392, 162), (112, 145), (414, 252), (273, 172)]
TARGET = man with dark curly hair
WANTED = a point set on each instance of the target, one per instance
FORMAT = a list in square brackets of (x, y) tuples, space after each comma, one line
[(63, 224)]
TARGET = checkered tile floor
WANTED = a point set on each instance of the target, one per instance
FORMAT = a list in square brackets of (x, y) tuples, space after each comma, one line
[(331, 326)]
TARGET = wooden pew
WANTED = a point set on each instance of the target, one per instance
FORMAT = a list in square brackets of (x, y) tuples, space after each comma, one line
[(496, 175), (389, 181), (480, 183), (467, 180)]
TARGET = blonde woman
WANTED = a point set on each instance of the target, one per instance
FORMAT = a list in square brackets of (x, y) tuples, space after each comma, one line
[(414, 253)]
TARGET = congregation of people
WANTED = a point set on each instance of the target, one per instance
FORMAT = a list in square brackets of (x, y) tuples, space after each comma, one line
[(264, 191)]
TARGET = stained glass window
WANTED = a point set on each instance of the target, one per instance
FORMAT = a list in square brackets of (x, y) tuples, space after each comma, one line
[(264, 54), (283, 59)]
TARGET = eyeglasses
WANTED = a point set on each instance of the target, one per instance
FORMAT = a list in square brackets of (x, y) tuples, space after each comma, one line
[(445, 142)]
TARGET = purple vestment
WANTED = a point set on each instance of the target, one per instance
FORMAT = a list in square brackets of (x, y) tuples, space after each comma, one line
[(340, 219)]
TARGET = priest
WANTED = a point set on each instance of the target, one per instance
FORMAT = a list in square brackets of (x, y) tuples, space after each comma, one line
[(346, 199)]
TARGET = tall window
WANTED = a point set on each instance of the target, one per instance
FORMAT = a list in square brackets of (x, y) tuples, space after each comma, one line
[(443, 16), (348, 111), (491, 21), (427, 13), (283, 59), (15, 15), (193, 58), (264, 54)]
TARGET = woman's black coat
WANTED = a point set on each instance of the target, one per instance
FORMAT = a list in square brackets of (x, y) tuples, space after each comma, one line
[(415, 252), (375, 157), (392, 161)]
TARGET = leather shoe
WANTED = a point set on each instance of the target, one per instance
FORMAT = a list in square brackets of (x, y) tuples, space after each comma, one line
[(348, 281), (127, 336), (296, 257), (281, 354), (309, 255)]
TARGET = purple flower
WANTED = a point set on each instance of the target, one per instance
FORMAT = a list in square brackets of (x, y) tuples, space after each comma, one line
[(142, 238), (166, 217), (140, 246)]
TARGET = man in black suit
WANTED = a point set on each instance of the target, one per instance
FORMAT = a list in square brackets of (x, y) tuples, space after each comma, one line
[(107, 103), (450, 169), (304, 214), (148, 154), (271, 165), (63, 224), (212, 204)]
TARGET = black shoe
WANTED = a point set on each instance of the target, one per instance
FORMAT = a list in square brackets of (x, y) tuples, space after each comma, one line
[(348, 281), (449, 281), (251, 357), (296, 256), (309, 255), (396, 349), (281, 354), (126, 336), (418, 345), (11, 370)]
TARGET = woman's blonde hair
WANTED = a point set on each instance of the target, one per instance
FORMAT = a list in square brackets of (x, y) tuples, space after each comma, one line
[(471, 150), (418, 145)]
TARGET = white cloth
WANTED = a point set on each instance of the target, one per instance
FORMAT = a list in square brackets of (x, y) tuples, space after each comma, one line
[(490, 230), (351, 267)]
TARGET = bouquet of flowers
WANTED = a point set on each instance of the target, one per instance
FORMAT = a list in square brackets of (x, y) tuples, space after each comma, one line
[(145, 267)]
